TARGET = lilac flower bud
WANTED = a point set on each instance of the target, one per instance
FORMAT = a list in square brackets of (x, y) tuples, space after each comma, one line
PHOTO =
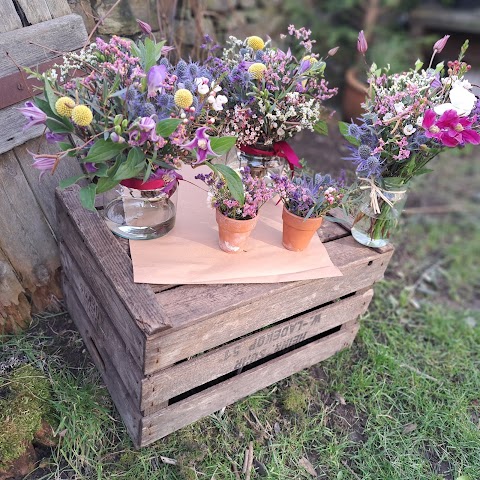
[(144, 27), (362, 44), (440, 44), (332, 51)]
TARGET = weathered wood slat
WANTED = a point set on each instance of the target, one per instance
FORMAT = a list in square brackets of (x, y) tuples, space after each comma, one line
[(97, 244), (35, 11), (44, 188), (330, 231), (26, 238), (120, 395), (175, 416), (58, 8), (54, 36), (9, 19), (170, 382)]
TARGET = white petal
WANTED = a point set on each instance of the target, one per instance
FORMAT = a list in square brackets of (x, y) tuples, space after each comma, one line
[(439, 109), (463, 100)]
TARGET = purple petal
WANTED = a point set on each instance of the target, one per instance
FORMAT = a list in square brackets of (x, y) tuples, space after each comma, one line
[(156, 78)]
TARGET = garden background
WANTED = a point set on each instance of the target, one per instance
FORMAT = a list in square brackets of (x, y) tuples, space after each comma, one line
[(402, 403)]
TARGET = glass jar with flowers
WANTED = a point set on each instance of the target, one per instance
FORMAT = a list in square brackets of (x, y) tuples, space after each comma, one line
[(306, 200), (236, 217), (409, 118), (270, 95), (132, 119)]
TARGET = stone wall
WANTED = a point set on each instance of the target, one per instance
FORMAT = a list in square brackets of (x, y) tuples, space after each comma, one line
[(183, 22)]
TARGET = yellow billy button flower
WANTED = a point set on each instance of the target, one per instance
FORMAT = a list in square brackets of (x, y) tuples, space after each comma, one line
[(256, 70), (311, 59), (183, 98), (64, 106), (82, 115), (256, 43)]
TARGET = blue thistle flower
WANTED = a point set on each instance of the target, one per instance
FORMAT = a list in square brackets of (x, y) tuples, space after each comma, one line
[(193, 69), (364, 151), (189, 85), (182, 69), (355, 131), (259, 55), (131, 95), (370, 167), (164, 61), (148, 109)]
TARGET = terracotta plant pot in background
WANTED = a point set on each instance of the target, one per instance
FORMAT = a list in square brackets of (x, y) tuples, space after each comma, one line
[(233, 234), (297, 232), (354, 94)]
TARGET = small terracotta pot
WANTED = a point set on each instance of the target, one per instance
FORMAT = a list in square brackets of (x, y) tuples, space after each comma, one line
[(297, 232), (233, 234)]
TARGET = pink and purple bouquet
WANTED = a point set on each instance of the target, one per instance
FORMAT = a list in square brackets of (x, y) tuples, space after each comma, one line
[(269, 94), (127, 113), (256, 193), (308, 196)]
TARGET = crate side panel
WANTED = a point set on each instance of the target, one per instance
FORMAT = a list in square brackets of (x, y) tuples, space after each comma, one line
[(180, 378), (101, 285), (261, 310), (102, 328), (125, 405), (214, 398)]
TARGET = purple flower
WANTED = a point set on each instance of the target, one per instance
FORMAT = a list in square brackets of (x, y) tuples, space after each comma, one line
[(55, 137), (170, 177), (332, 51), (43, 162), (201, 142), (33, 114), (144, 27), (440, 44), (90, 167), (362, 44), (304, 66), (156, 78)]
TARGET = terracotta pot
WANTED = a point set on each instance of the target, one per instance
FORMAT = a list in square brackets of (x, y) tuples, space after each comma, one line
[(233, 234), (297, 232), (354, 94)]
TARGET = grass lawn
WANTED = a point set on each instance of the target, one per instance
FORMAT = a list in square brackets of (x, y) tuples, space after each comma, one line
[(402, 404)]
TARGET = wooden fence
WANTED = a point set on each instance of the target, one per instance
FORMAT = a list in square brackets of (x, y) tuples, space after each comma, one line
[(32, 34)]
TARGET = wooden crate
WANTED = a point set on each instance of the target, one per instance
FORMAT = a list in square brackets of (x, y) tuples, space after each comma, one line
[(172, 354)]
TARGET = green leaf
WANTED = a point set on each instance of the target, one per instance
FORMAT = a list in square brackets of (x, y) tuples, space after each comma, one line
[(233, 181), (166, 127), (134, 164), (65, 146), (50, 96), (423, 171), (44, 106), (321, 127), (418, 65), (66, 182), (221, 145), (87, 196), (57, 125), (147, 173), (102, 170), (103, 150), (343, 127), (107, 182)]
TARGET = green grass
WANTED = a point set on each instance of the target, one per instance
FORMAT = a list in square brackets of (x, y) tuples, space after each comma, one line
[(402, 404)]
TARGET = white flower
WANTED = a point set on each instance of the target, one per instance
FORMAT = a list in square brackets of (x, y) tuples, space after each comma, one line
[(218, 102), (202, 89), (211, 99), (399, 107), (461, 100), (419, 121), (217, 88), (387, 116), (409, 129), (462, 83)]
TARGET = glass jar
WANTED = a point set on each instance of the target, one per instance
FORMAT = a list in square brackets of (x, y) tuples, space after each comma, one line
[(373, 228), (261, 165), (140, 213)]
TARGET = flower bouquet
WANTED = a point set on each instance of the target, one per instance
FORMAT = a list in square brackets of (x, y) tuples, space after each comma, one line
[(409, 118), (306, 199), (236, 219), (131, 118), (269, 96)]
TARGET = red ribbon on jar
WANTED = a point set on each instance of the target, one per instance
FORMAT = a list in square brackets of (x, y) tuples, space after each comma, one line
[(279, 149)]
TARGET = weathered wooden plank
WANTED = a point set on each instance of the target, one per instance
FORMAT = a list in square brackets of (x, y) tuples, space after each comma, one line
[(35, 11), (58, 8), (44, 188), (26, 238), (172, 381), (99, 245), (101, 284), (178, 415), (9, 19), (35, 44), (103, 327), (330, 231), (14, 306), (212, 316), (119, 393)]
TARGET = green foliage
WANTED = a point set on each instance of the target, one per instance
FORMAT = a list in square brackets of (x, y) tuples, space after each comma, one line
[(232, 179), (21, 411), (222, 145), (87, 196), (166, 127), (103, 150)]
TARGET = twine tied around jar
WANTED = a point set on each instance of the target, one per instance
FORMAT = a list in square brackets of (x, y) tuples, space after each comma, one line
[(375, 192)]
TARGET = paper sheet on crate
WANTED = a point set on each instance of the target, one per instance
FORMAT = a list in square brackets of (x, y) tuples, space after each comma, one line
[(189, 254)]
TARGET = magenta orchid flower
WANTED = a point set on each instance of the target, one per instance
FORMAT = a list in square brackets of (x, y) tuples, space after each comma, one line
[(156, 79), (170, 177), (362, 45), (33, 114), (201, 143), (43, 162)]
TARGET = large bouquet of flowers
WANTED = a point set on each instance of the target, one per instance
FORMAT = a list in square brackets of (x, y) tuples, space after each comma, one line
[(269, 95), (127, 113), (409, 118)]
